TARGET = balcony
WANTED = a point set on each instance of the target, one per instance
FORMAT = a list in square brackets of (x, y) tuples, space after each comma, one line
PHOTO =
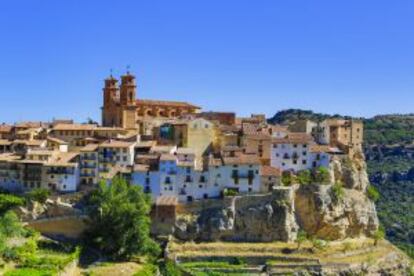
[(89, 166), (89, 157), (87, 174)]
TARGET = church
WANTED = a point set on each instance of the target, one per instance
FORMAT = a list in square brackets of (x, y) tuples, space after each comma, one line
[(122, 109)]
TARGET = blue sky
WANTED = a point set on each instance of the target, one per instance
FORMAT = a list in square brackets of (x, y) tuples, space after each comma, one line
[(350, 57)]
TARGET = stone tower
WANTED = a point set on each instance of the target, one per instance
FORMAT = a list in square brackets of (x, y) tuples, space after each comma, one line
[(128, 101), (110, 115)]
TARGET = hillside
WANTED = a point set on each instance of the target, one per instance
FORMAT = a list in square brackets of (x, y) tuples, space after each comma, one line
[(389, 150)]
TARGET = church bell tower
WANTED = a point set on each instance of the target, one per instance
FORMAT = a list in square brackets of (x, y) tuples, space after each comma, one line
[(128, 101)]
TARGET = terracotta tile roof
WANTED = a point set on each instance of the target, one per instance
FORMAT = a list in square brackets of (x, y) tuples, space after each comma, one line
[(162, 149), (168, 157), (185, 164), (243, 159), (185, 151), (141, 168), (146, 144), (30, 124), (56, 140), (276, 128), (116, 144), (258, 136), (5, 142), (229, 129), (141, 102), (5, 128), (89, 148), (294, 138), (37, 143), (270, 171), (63, 159), (74, 127), (319, 148), (251, 129), (9, 157), (215, 162)]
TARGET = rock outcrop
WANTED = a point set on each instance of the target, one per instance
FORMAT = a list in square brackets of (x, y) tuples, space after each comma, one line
[(315, 208), (251, 218), (321, 214)]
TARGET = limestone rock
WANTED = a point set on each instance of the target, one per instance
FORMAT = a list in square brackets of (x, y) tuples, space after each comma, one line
[(352, 172), (319, 214), (258, 218)]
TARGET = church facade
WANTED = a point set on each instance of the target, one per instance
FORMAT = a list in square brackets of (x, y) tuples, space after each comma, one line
[(121, 108)]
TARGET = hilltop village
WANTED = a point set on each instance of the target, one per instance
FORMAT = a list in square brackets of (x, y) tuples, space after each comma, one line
[(173, 150), (226, 194)]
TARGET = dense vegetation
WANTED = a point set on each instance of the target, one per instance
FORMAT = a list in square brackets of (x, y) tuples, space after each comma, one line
[(22, 250), (389, 148), (120, 223)]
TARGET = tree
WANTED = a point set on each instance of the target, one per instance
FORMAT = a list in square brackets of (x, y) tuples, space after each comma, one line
[(378, 235), (39, 195), (301, 238), (120, 223)]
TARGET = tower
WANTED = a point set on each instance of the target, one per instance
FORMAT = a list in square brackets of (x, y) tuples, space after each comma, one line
[(128, 101), (111, 97), (128, 90)]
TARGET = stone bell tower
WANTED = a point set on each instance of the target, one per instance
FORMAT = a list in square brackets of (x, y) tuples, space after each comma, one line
[(110, 114), (128, 101)]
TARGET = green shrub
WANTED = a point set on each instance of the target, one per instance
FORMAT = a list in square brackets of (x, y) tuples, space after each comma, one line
[(230, 192), (239, 261), (170, 269), (321, 175), (147, 270), (8, 202), (38, 194), (287, 178), (319, 244), (337, 192), (10, 225), (378, 235), (304, 177), (30, 272), (373, 193), (301, 238)]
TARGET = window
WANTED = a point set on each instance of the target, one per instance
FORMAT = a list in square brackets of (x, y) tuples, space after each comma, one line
[(275, 146), (295, 162), (305, 145), (304, 162), (202, 179), (124, 158), (250, 189), (295, 146), (304, 153), (64, 187)]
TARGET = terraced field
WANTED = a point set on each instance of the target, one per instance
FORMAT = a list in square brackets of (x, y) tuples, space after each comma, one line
[(279, 258)]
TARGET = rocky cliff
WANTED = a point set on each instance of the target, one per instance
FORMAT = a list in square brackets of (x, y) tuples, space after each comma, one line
[(315, 208)]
